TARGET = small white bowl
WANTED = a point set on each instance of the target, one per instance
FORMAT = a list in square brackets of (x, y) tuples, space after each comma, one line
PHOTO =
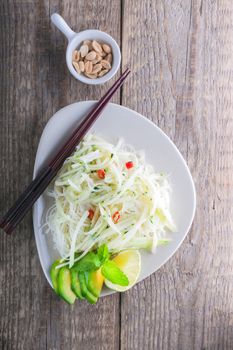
[(75, 40)]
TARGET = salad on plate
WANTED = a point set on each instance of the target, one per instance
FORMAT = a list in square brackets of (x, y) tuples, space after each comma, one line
[(108, 203)]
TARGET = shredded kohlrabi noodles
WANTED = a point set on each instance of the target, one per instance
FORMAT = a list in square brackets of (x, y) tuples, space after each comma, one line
[(99, 198)]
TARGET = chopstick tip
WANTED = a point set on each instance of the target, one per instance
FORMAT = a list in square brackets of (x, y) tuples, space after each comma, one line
[(127, 70)]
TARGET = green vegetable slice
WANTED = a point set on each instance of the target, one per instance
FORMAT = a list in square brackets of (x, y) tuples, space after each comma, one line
[(75, 284), (83, 277), (54, 274), (64, 285)]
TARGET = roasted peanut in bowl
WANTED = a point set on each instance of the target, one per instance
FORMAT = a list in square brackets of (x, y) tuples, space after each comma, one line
[(92, 56)]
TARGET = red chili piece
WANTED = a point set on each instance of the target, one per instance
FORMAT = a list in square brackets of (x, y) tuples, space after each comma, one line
[(90, 214), (116, 217), (101, 173), (129, 165)]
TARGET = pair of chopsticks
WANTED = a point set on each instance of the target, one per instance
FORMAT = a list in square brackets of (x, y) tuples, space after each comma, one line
[(17, 212)]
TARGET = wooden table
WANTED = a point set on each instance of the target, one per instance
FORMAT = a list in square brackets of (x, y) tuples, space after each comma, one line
[(181, 56)]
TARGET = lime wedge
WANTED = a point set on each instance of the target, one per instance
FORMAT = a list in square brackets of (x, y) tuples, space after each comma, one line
[(129, 261)]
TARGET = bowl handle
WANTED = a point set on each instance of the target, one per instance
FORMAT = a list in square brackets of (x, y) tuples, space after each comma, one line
[(60, 23)]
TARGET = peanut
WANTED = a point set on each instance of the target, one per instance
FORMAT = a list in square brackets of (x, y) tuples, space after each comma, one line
[(76, 56), (91, 56), (96, 68), (81, 66), (88, 43), (88, 67), (106, 48), (106, 64), (91, 76), (84, 50), (103, 72), (109, 58), (96, 46), (76, 66)]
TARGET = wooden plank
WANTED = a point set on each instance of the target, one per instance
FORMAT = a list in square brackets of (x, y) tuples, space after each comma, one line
[(181, 55), (34, 84)]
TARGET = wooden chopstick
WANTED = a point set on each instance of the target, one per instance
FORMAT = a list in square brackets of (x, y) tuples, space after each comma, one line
[(17, 212), (11, 212)]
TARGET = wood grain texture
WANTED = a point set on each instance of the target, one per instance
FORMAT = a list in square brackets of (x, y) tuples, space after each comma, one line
[(34, 84), (181, 57), (181, 54)]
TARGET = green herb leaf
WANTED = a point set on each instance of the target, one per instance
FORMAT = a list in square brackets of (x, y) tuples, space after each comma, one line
[(103, 253), (90, 262), (112, 273)]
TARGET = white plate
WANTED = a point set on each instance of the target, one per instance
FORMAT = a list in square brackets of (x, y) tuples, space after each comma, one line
[(117, 121)]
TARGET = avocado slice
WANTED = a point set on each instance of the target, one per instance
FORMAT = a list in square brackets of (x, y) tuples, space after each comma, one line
[(95, 282), (64, 285), (75, 284), (54, 274), (83, 277)]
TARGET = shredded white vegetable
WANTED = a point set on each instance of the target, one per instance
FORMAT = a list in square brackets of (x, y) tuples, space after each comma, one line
[(139, 196)]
